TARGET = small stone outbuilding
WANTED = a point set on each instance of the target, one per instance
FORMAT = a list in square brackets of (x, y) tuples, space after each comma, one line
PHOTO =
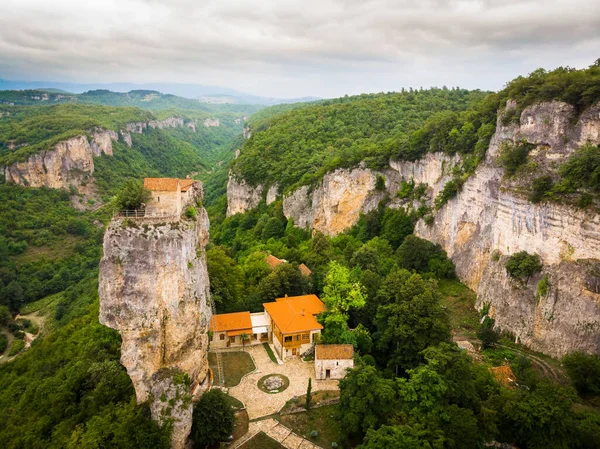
[(333, 361)]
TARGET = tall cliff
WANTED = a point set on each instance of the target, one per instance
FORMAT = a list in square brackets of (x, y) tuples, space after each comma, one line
[(490, 219), (154, 290)]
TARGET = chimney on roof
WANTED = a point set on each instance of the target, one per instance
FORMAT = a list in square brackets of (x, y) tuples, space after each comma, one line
[(286, 296)]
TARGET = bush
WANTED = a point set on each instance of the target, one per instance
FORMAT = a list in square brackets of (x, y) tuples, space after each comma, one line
[(190, 212), (380, 183), (3, 342), (584, 371), (423, 256), (513, 156), (543, 286), (523, 265), (17, 346), (213, 419), (540, 188), (488, 336), (583, 168)]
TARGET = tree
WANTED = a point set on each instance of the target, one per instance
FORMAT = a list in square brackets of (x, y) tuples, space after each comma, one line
[(308, 394), (423, 256), (133, 195), (523, 265), (285, 279), (409, 319), (244, 338), (366, 400), (584, 371), (396, 437), (488, 336), (213, 419), (226, 280), (396, 225), (5, 316), (340, 294)]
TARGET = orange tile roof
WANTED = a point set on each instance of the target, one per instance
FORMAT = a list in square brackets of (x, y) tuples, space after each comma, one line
[(248, 332), (161, 184), (226, 322), (186, 184), (304, 270), (273, 261), (504, 375), (333, 352), (295, 313)]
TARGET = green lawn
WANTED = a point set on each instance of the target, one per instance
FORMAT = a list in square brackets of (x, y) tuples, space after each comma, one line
[(261, 441), (235, 366), (270, 352), (321, 419), (460, 301)]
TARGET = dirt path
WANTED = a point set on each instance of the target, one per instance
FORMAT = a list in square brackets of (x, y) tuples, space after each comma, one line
[(547, 370)]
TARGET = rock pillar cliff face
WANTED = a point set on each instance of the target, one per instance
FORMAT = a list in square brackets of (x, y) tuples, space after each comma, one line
[(490, 215), (154, 290), (241, 196)]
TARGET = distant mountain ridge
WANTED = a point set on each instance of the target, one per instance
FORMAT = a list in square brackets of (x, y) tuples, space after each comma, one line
[(198, 92)]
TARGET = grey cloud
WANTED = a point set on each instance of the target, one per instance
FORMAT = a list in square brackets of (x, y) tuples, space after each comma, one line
[(313, 47)]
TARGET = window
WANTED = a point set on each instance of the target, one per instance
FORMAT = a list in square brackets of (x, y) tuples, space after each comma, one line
[(232, 339), (297, 337), (287, 339), (306, 337), (222, 336)]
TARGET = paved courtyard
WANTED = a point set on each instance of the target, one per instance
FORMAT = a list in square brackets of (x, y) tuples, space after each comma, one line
[(257, 402)]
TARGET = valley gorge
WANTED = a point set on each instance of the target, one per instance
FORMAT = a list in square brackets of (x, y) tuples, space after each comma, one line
[(489, 220)]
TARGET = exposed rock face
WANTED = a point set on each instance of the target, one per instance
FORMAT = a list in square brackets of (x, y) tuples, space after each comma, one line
[(246, 132), (272, 193), (337, 202), (71, 160), (66, 164), (174, 404), (154, 290), (489, 216), (241, 196), (211, 122)]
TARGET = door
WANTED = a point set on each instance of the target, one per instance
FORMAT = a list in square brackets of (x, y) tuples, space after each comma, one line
[(294, 351), (327, 373)]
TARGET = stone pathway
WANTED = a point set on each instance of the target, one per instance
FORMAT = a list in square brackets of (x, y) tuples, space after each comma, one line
[(278, 432), (257, 402)]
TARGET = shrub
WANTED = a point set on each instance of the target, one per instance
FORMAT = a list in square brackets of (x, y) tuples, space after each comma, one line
[(17, 346), (584, 371), (314, 433), (523, 265), (3, 342), (583, 168), (540, 188), (406, 189), (513, 156), (190, 212), (213, 419), (543, 286), (380, 183), (488, 336)]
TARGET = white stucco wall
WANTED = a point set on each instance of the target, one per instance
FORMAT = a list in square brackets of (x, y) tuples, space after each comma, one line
[(338, 368)]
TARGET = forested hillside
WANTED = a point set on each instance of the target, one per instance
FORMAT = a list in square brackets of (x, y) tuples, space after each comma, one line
[(298, 146)]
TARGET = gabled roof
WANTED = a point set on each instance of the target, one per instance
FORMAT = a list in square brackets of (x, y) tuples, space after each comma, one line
[(333, 352), (161, 184), (295, 313), (273, 261), (228, 322), (304, 270), (186, 184)]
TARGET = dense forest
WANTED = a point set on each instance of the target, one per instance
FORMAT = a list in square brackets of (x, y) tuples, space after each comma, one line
[(297, 146)]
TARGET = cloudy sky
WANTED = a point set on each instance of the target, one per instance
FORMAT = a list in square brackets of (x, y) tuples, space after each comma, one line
[(296, 48)]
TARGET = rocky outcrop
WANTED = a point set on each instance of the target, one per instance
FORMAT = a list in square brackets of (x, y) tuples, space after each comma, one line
[(67, 164), (211, 122), (272, 193), (246, 132), (491, 216), (241, 196), (336, 203), (154, 290)]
